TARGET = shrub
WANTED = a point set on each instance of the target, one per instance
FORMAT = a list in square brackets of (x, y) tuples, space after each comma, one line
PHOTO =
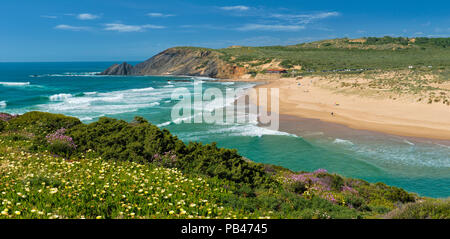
[(141, 141), (6, 117), (168, 160), (423, 210), (2, 125), (41, 123), (61, 144), (337, 182), (297, 187), (354, 201), (395, 194)]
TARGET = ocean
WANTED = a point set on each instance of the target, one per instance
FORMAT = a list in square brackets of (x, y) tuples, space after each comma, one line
[(73, 88)]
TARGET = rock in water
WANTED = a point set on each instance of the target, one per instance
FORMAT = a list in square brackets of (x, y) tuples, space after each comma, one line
[(116, 69)]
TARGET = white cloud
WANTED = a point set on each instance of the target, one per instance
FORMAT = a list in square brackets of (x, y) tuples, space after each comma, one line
[(265, 27), (48, 16), (157, 14), (305, 18), (87, 16), (130, 28), (235, 8), (71, 28)]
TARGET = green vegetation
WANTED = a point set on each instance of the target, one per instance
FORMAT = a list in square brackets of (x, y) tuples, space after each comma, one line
[(422, 210), (424, 84), (385, 53), (118, 169)]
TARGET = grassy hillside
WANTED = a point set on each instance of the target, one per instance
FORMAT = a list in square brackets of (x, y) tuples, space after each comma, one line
[(344, 54), (53, 166), (365, 53)]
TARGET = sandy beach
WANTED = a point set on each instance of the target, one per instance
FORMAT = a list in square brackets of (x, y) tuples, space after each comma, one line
[(310, 98)]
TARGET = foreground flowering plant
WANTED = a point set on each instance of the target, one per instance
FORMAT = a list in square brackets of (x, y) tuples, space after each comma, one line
[(6, 117), (90, 187), (320, 183), (58, 137)]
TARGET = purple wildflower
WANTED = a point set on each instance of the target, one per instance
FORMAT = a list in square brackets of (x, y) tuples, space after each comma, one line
[(320, 171), (328, 196), (6, 117), (346, 188), (59, 137)]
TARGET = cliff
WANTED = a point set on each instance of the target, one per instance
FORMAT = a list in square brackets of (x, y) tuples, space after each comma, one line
[(116, 69), (180, 61)]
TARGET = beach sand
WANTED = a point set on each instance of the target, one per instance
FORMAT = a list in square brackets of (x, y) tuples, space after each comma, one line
[(405, 117)]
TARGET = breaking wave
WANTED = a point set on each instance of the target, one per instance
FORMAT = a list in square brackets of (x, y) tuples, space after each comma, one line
[(59, 97), (14, 83)]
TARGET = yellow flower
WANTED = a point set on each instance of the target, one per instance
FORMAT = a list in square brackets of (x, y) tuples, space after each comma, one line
[(17, 212), (98, 217)]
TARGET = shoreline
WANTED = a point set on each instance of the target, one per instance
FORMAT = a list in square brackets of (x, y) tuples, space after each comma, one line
[(393, 117)]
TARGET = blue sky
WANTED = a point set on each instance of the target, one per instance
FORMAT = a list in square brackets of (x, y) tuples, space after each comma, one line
[(119, 30)]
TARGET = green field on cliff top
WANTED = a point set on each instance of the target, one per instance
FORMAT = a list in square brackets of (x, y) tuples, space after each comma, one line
[(367, 53)]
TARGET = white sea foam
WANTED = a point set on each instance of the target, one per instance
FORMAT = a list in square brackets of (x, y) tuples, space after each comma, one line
[(14, 83), (444, 146), (391, 153), (312, 134), (143, 89), (251, 130), (202, 78), (86, 118), (343, 141), (72, 74), (3, 104), (164, 124), (59, 97), (91, 105), (408, 142)]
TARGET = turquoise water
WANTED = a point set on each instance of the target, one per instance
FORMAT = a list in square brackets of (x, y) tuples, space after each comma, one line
[(418, 165)]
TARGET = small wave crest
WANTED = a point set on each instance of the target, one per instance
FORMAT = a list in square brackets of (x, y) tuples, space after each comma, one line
[(3, 104), (408, 142), (143, 89), (14, 83), (343, 141), (59, 97), (70, 74)]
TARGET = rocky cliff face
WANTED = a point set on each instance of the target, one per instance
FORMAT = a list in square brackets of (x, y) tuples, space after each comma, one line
[(116, 69), (180, 61)]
